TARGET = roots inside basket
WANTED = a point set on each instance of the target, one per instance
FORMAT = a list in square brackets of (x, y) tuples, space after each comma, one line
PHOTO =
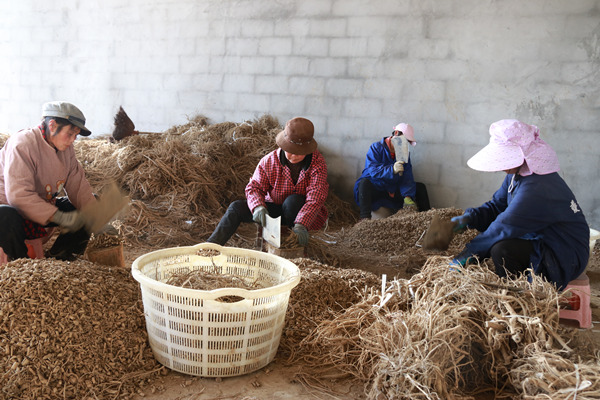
[(229, 299), (208, 252), (205, 280)]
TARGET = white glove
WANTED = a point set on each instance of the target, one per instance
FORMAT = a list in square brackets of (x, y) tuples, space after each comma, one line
[(399, 167), (71, 221), (260, 215)]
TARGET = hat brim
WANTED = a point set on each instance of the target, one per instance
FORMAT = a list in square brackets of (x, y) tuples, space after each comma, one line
[(300, 150), (83, 130), (495, 157)]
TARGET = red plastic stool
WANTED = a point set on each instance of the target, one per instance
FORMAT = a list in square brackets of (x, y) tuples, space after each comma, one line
[(35, 248), (3, 257), (580, 302)]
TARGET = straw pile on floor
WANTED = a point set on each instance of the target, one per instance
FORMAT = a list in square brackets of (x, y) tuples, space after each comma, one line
[(450, 334), (181, 181)]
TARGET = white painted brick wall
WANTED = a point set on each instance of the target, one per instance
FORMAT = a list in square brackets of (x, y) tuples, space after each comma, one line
[(271, 84), (311, 47), (275, 47), (355, 67)]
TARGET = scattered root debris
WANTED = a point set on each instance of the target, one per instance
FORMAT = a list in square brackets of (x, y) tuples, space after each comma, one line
[(71, 330)]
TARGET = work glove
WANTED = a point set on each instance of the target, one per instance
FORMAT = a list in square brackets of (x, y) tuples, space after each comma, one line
[(455, 265), (260, 215), (302, 233), (461, 222), (460, 260), (71, 221), (409, 204), (399, 167)]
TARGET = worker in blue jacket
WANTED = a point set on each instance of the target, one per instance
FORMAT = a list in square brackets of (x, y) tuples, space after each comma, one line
[(387, 184), (533, 221)]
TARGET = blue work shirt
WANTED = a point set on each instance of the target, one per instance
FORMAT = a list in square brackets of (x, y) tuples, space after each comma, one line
[(540, 208), (379, 169)]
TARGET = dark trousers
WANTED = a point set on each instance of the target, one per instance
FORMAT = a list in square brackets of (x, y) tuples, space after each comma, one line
[(365, 198), (238, 212), (511, 256), (12, 235), (68, 246), (366, 191)]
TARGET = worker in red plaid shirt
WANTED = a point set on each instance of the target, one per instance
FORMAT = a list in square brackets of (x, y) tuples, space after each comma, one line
[(290, 182)]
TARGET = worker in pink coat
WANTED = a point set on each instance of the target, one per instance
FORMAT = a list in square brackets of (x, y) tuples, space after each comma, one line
[(43, 185)]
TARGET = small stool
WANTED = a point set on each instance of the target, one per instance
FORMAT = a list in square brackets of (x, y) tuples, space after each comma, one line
[(580, 300), (35, 248), (3, 257)]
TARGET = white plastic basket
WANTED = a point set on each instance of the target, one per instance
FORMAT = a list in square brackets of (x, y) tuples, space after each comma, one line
[(192, 332)]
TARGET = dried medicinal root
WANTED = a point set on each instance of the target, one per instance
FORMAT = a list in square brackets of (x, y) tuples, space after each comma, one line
[(290, 241), (322, 292), (71, 330), (103, 241), (208, 252), (205, 280), (443, 333)]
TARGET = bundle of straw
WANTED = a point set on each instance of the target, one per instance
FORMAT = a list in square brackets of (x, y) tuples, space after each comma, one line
[(444, 333), (182, 180)]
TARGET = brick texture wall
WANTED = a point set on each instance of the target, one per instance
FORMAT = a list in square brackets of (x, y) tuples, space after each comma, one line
[(355, 67)]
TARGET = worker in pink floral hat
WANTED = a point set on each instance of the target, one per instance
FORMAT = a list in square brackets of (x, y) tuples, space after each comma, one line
[(533, 221)]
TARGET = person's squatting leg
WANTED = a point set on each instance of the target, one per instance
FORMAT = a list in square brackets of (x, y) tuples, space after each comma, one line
[(365, 198), (236, 213), (511, 255), (12, 234)]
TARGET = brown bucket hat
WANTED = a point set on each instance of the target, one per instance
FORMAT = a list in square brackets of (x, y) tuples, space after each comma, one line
[(297, 137)]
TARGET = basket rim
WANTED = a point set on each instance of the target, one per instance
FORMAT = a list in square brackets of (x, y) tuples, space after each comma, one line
[(288, 285)]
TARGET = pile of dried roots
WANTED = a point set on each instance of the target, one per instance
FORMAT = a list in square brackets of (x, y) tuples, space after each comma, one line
[(103, 241), (71, 330), (447, 334), (181, 181), (394, 241), (323, 292)]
